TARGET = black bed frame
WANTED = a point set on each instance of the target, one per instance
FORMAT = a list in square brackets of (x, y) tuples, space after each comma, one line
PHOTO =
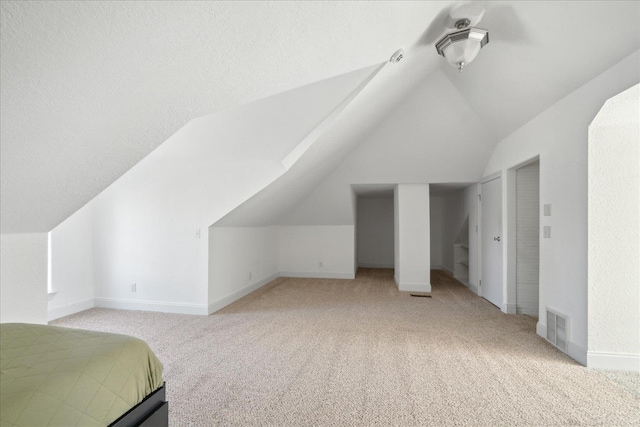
[(153, 411)]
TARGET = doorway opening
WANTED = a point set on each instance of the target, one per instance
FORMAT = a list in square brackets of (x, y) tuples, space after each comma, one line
[(374, 226), (449, 223)]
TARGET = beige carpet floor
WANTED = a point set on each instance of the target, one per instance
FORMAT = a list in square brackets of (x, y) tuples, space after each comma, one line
[(318, 352)]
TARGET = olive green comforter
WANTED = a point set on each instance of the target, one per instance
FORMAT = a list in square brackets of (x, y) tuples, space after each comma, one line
[(54, 376)]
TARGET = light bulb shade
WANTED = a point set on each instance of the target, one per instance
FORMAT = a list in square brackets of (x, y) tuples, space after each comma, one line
[(461, 47)]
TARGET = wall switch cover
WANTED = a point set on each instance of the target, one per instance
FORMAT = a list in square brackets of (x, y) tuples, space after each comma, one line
[(547, 210), (546, 231)]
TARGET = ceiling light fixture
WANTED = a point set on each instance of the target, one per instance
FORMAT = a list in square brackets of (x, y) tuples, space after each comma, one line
[(462, 46)]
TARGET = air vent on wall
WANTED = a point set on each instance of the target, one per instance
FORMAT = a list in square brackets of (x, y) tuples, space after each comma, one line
[(557, 329)]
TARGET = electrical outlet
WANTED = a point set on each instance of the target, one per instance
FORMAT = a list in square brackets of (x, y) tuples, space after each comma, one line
[(547, 210), (320, 264), (546, 232), (133, 287)]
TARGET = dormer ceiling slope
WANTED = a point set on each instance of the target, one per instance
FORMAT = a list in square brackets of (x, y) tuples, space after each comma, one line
[(90, 88)]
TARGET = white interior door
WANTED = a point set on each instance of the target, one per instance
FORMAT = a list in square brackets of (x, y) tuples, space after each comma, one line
[(491, 235)]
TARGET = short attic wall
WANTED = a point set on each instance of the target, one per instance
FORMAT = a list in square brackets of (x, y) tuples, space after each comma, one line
[(150, 227), (242, 259)]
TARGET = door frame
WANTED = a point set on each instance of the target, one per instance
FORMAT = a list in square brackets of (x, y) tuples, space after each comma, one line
[(508, 232)]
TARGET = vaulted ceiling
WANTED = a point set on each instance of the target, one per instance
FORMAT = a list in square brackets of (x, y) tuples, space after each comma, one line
[(90, 88)]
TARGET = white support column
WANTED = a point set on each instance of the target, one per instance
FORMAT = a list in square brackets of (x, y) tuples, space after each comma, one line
[(614, 235), (412, 237)]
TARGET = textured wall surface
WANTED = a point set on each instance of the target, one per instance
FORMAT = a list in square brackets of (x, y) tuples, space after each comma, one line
[(90, 88), (23, 278), (614, 226)]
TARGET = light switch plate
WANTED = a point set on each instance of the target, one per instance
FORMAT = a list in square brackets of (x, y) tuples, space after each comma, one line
[(547, 210), (546, 231)]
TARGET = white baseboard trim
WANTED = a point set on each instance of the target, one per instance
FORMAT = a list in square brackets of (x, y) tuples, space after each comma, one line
[(69, 309), (414, 287), (577, 353), (160, 306), (317, 275), (541, 329), (509, 308), (613, 361), (375, 265), (473, 288), (574, 351), (233, 297)]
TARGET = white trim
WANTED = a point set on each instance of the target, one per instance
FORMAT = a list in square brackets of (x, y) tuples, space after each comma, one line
[(159, 306), (574, 351), (473, 288), (69, 309), (509, 308), (577, 353), (317, 275), (375, 265), (613, 361), (233, 297), (526, 162), (491, 177), (414, 287), (541, 329)]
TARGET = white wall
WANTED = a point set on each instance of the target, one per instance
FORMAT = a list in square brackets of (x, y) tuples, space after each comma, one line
[(436, 225), (413, 272), (432, 136), (241, 259), (72, 272), (614, 234), (301, 249), (375, 232), (23, 278), (559, 137)]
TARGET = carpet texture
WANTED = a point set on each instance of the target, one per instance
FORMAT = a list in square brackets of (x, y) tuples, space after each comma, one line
[(322, 352)]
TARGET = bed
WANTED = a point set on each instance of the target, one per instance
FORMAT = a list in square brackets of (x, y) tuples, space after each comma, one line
[(53, 376)]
